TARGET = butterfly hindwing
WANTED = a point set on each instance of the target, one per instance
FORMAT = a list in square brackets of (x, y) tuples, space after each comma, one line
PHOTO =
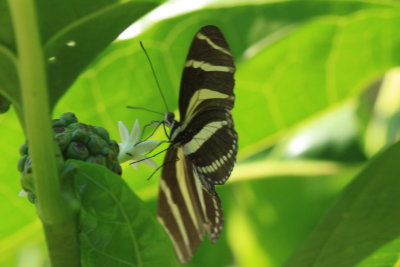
[(185, 208), (213, 147)]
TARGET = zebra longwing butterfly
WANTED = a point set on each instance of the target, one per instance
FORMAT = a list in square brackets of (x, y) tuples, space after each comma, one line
[(203, 145)]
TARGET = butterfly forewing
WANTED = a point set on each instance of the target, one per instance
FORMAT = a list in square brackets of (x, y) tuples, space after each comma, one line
[(207, 78)]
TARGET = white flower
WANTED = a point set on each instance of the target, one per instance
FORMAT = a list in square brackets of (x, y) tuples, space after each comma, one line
[(23, 193), (132, 149)]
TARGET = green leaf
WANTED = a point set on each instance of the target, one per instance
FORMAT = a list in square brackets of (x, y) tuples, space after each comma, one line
[(309, 71), (362, 227), (22, 227), (9, 83), (267, 219), (291, 65), (121, 76), (4, 104), (116, 228), (73, 34), (322, 139), (379, 113), (73, 48)]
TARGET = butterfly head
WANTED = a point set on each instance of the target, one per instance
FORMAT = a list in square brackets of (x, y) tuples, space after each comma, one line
[(169, 119), (171, 123)]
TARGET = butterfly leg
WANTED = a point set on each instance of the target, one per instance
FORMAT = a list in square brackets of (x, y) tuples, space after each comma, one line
[(162, 166), (165, 131), (153, 123)]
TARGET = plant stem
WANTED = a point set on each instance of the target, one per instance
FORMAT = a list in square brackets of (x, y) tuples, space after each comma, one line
[(36, 111), (55, 213)]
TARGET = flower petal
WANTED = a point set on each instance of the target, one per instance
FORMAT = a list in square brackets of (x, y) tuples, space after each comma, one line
[(143, 159), (147, 146), (135, 133), (23, 193), (134, 164), (150, 162), (124, 156), (123, 132)]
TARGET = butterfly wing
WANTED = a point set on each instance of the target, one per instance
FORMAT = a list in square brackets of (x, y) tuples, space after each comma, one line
[(185, 209), (206, 98), (188, 206), (207, 80), (213, 147)]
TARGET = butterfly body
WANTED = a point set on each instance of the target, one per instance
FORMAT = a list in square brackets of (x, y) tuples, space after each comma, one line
[(203, 145)]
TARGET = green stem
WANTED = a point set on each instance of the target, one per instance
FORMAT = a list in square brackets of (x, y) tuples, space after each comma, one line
[(57, 216), (36, 111)]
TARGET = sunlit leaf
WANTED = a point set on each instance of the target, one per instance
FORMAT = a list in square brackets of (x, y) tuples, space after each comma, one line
[(320, 138), (73, 34), (361, 228), (379, 113), (300, 58), (313, 69), (4, 104), (73, 48), (295, 61)]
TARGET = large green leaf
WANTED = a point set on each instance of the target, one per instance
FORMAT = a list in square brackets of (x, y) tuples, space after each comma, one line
[(73, 34), (116, 227), (265, 28), (72, 49), (291, 65), (121, 76), (4, 104), (322, 139), (268, 219), (22, 228), (9, 83), (318, 66), (379, 113), (362, 227)]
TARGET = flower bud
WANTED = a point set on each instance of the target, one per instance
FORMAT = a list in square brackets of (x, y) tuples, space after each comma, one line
[(23, 149), (80, 135), (63, 140), (21, 163), (77, 150), (76, 141), (98, 159), (69, 117), (96, 144), (102, 132)]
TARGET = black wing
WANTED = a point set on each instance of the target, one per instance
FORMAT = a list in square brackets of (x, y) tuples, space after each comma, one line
[(213, 146), (204, 146), (206, 98), (207, 79), (185, 209)]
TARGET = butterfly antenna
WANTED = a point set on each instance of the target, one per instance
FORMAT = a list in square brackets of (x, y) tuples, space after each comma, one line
[(146, 109), (155, 76)]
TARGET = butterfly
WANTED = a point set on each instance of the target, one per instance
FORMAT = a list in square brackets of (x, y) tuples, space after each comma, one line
[(203, 145)]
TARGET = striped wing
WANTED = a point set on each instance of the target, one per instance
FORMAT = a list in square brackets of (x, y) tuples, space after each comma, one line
[(185, 209), (207, 79), (213, 147), (203, 145), (206, 98)]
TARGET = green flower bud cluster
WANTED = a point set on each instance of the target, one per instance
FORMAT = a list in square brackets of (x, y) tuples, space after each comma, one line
[(76, 141)]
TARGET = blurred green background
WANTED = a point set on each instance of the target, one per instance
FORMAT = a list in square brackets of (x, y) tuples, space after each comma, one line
[(317, 95)]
